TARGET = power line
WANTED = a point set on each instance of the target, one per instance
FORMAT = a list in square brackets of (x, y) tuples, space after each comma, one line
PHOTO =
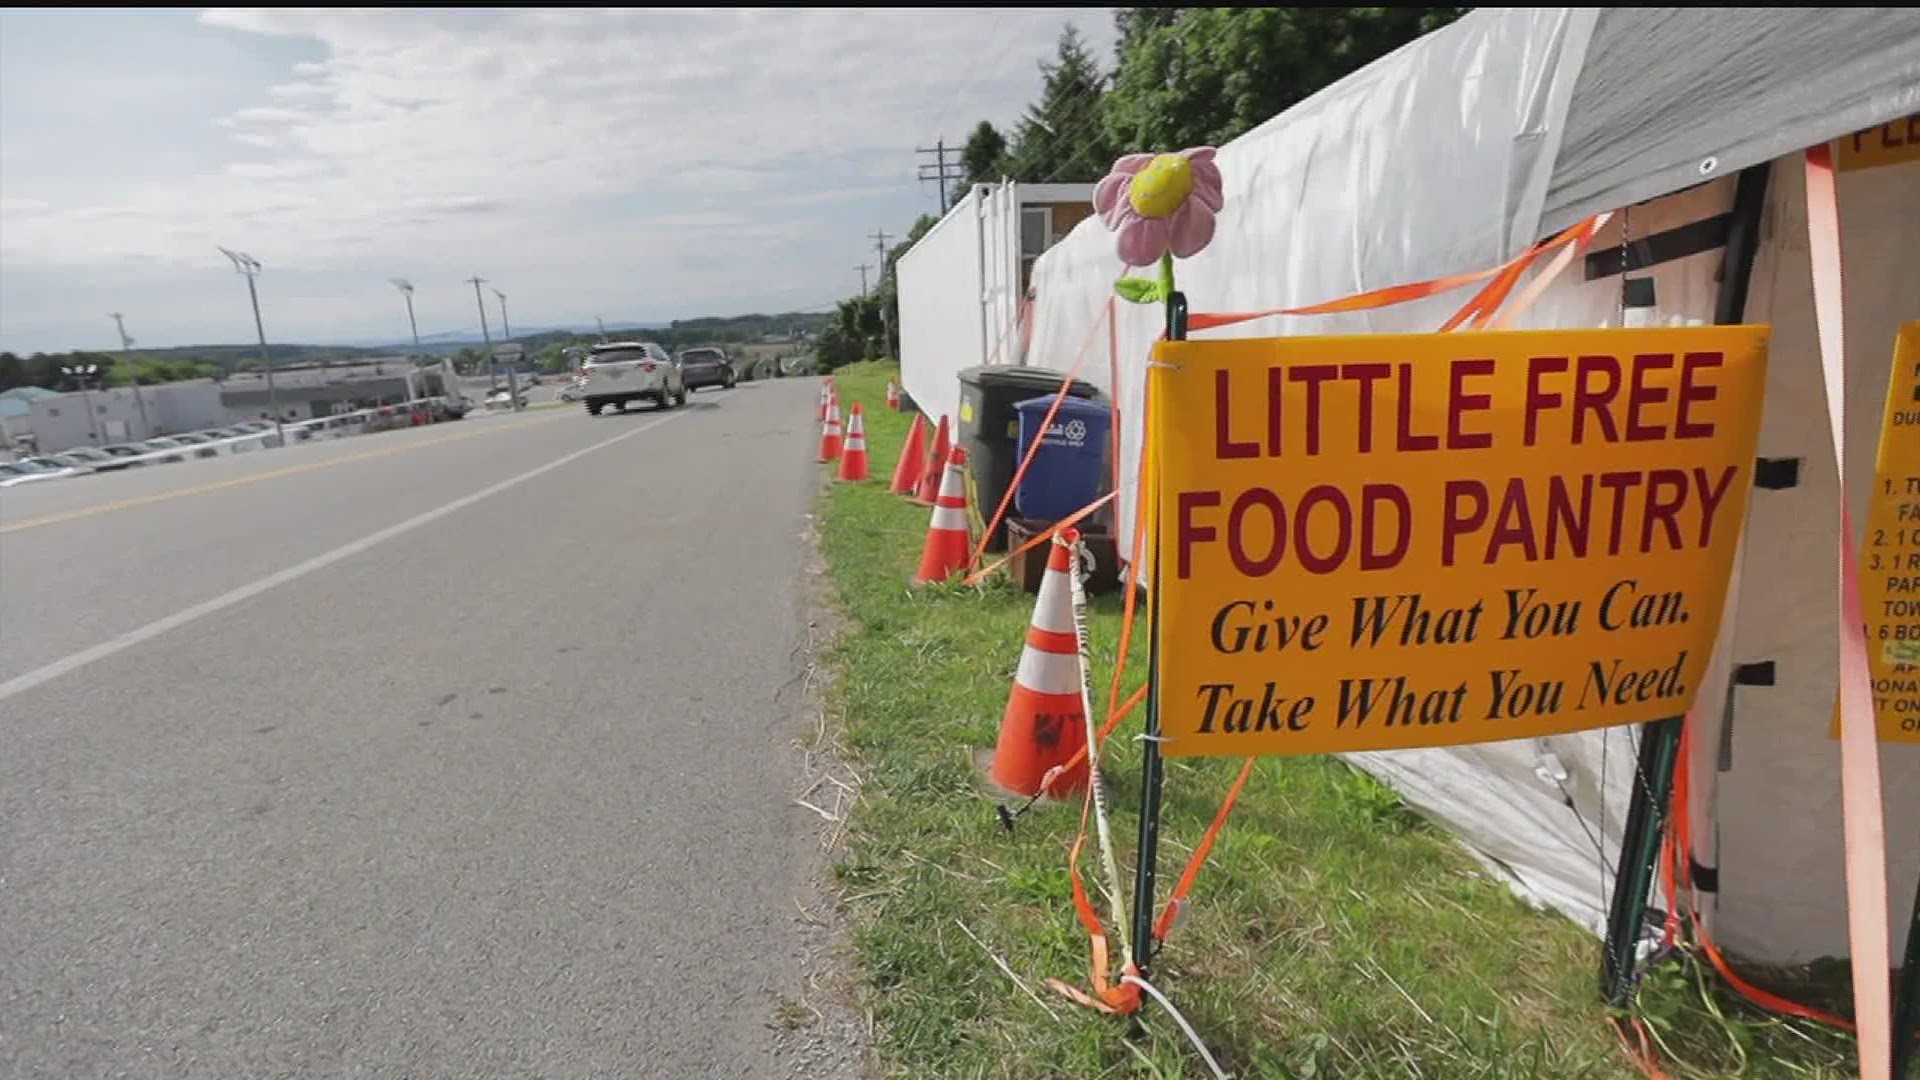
[(863, 268)]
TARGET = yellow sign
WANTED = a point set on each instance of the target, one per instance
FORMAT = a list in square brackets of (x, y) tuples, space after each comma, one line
[(1889, 144), (1389, 541), (1890, 552)]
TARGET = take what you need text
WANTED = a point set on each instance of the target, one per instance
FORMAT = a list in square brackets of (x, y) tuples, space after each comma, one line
[(1391, 541)]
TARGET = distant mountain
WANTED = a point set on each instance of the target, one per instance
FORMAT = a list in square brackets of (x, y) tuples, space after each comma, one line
[(678, 334), (457, 339)]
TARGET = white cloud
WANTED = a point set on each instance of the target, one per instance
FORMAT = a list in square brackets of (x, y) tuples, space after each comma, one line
[(531, 137)]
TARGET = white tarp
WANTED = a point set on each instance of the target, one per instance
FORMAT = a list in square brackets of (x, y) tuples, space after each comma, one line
[(1452, 155)]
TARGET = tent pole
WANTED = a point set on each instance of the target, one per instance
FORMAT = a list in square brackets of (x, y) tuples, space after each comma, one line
[(1152, 771), (1659, 742), (1906, 996)]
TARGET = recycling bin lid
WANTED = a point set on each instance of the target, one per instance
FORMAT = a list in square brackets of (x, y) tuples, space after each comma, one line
[(1072, 406)]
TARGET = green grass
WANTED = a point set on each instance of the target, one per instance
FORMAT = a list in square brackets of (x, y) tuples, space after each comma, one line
[(1333, 933)]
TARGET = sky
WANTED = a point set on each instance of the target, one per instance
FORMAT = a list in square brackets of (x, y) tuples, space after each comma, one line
[(638, 165)]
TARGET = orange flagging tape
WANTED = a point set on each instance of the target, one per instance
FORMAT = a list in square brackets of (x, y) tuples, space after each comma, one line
[(1401, 294), (1179, 898)]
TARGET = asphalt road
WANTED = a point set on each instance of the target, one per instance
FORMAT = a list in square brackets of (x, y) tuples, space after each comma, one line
[(456, 751)]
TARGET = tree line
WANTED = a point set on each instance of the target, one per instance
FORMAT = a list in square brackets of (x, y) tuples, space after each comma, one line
[(1180, 77)]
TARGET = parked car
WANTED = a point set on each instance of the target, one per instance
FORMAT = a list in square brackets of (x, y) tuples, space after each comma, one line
[(197, 440), (82, 457), (504, 398), (571, 392), (617, 372), (154, 446), (28, 470), (706, 367)]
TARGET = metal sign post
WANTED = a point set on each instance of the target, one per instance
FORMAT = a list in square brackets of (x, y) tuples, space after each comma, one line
[(1639, 851), (1152, 769)]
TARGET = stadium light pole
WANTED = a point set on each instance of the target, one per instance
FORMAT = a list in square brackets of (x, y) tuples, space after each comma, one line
[(126, 353), (80, 373), (486, 336), (513, 369), (246, 264), (406, 290)]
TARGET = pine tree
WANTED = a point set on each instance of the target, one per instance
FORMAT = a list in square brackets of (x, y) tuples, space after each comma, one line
[(985, 157), (1063, 137)]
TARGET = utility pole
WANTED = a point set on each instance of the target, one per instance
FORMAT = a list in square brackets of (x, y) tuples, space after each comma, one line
[(863, 268), (244, 263), (406, 290), (886, 330), (941, 171), (126, 349), (493, 379)]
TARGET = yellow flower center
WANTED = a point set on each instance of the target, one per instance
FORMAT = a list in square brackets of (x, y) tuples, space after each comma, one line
[(1160, 188)]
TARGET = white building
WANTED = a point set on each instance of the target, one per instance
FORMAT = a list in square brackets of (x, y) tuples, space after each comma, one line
[(122, 414), (964, 286)]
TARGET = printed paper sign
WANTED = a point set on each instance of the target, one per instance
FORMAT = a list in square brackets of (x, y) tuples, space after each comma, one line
[(1890, 552), (1392, 541), (1889, 144)]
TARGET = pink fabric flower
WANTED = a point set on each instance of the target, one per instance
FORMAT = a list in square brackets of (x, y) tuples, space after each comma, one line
[(1161, 203)]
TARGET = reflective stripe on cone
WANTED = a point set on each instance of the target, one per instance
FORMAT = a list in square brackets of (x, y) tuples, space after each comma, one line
[(945, 552), (1045, 724)]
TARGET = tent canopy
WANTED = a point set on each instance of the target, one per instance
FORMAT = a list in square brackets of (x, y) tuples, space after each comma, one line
[(1455, 153)]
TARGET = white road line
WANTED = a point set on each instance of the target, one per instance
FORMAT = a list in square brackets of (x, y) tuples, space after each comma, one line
[(21, 683)]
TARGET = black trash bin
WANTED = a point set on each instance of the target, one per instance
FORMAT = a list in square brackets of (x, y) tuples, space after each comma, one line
[(989, 428)]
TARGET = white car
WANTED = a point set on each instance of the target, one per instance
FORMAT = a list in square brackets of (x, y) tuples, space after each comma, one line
[(30, 470), (617, 372)]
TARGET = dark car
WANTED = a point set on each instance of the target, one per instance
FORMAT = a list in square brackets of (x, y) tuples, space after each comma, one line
[(706, 367)]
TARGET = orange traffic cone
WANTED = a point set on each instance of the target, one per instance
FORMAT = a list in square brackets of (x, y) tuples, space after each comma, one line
[(930, 478), (826, 394), (1045, 725), (853, 456), (947, 541), (830, 433), (893, 395), (913, 459)]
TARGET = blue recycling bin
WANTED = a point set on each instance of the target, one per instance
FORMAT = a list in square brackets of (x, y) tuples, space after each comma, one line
[(1071, 468)]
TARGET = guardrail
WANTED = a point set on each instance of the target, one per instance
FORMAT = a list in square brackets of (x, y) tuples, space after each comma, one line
[(296, 431)]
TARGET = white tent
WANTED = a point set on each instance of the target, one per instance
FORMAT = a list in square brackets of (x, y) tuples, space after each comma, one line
[(1457, 152)]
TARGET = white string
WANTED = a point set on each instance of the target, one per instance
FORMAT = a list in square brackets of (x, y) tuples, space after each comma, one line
[(1192, 1037)]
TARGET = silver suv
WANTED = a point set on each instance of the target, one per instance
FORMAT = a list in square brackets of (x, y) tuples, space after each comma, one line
[(617, 372)]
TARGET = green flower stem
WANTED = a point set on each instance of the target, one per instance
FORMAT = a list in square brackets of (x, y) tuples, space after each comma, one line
[(1166, 274)]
